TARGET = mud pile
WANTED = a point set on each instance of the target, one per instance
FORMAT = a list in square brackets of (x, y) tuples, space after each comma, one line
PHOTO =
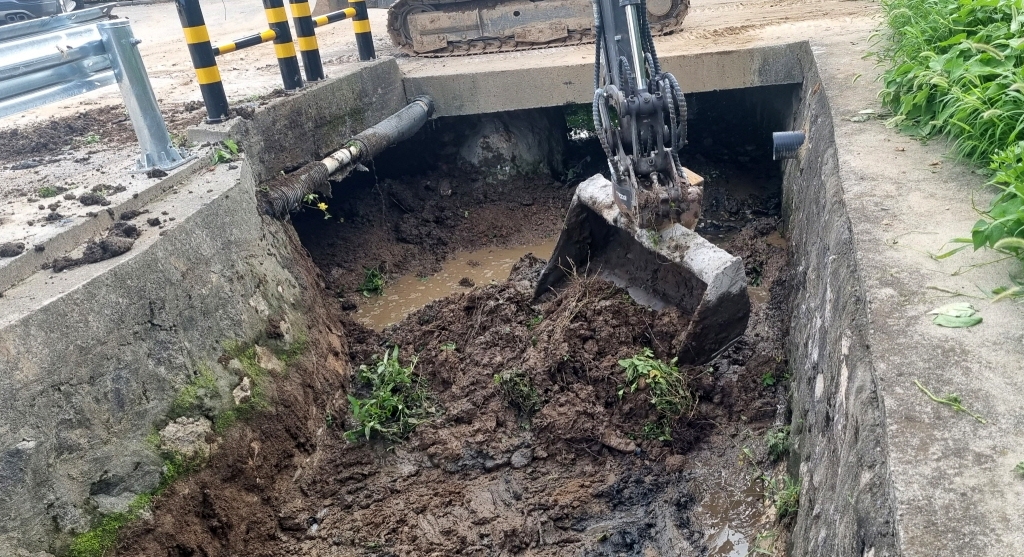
[(572, 474)]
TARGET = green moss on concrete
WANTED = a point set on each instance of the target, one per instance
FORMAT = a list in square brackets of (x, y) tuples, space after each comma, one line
[(190, 399)]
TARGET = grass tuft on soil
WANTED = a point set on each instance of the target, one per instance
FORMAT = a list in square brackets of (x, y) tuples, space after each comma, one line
[(518, 388), (398, 400)]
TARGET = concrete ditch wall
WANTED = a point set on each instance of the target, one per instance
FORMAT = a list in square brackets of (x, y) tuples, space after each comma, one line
[(847, 504), (91, 359)]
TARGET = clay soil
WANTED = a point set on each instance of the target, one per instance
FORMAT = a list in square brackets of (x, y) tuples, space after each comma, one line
[(574, 475)]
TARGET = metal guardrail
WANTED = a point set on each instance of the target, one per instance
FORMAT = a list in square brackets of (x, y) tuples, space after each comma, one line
[(47, 60)]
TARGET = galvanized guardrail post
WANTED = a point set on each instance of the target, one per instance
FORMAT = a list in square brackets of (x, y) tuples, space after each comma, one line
[(199, 48), (277, 18), (361, 25), (305, 36), (138, 95)]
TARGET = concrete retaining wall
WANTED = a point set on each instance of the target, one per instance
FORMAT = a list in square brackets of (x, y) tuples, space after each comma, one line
[(91, 359), (846, 501)]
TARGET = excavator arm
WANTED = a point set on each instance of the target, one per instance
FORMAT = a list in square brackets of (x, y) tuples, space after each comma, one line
[(640, 119)]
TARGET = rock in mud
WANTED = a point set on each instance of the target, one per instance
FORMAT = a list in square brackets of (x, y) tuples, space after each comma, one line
[(268, 361), (243, 392), (187, 436), (155, 221), (11, 249), (466, 282), (521, 458), (619, 442)]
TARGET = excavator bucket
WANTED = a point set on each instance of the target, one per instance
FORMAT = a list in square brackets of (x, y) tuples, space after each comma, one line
[(672, 267)]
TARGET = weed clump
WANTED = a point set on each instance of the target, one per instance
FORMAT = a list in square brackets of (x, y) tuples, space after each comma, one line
[(373, 283), (777, 442), (518, 388), (669, 390), (954, 69), (784, 493), (398, 401)]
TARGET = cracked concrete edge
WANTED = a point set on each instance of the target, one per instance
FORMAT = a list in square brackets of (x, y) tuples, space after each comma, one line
[(93, 357)]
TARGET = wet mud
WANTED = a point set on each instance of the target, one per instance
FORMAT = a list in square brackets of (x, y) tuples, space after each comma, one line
[(575, 475)]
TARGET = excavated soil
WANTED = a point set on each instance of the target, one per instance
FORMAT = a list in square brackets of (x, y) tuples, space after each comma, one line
[(575, 477)]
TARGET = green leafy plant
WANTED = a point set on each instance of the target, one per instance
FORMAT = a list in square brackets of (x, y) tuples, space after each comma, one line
[(47, 191), (784, 492), (667, 388), (660, 430), (777, 442), (952, 400), (518, 388), (448, 346), (92, 139), (227, 154), (373, 283), (398, 400), (1019, 469), (534, 321), (956, 68), (768, 379)]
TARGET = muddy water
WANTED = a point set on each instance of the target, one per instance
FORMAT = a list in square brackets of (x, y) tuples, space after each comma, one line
[(409, 293), (732, 517)]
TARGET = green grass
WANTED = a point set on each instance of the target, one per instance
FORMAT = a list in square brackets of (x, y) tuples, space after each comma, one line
[(667, 388), (102, 539), (518, 388), (373, 283), (784, 493), (777, 442), (189, 398), (956, 68), (398, 401), (47, 191)]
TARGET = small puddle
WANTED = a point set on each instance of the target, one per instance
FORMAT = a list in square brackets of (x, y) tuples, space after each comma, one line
[(409, 293), (732, 518)]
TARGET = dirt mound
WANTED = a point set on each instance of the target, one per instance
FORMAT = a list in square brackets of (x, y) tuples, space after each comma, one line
[(560, 466)]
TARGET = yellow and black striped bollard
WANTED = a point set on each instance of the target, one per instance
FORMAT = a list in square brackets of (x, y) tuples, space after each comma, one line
[(361, 25), (199, 48), (306, 37), (277, 19), (245, 42), (334, 17)]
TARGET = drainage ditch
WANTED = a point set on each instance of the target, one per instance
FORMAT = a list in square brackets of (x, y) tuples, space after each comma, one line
[(533, 445)]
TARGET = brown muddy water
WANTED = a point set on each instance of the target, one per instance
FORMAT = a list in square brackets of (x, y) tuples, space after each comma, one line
[(409, 293)]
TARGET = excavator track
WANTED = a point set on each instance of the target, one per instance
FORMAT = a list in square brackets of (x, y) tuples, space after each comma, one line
[(441, 28)]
